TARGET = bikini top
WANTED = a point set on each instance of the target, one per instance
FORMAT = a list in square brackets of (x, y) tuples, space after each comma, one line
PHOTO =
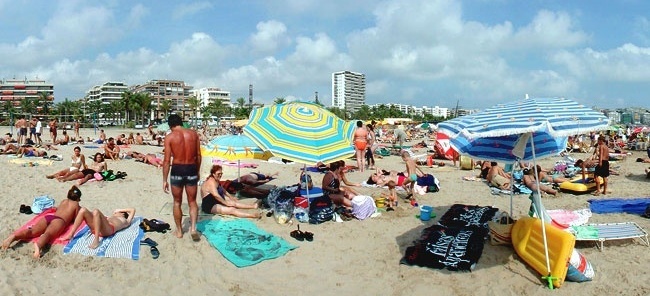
[(75, 162)]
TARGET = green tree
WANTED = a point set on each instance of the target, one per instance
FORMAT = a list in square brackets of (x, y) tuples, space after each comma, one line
[(164, 106), (44, 102), (279, 100), (27, 106), (127, 98), (144, 101), (338, 112), (194, 104)]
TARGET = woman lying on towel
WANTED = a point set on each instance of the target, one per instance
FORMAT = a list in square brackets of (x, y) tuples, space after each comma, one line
[(50, 226), (382, 177), (544, 176), (217, 200), (531, 182), (100, 225), (255, 179)]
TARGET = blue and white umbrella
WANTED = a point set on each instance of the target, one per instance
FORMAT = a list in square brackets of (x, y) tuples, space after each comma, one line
[(528, 129)]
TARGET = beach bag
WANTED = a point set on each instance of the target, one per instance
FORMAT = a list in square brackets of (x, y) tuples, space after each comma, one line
[(501, 229), (363, 207), (154, 225), (305, 182), (283, 206), (320, 210), (42, 203)]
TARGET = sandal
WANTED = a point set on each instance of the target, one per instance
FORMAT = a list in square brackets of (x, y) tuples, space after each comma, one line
[(308, 236), (154, 252), (149, 242), (297, 234)]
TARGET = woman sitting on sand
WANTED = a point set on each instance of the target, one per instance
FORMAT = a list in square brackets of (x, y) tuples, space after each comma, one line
[(100, 225), (98, 166), (216, 200), (332, 187), (49, 226), (78, 161)]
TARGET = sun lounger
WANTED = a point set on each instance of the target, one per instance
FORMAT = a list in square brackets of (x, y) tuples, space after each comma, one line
[(600, 233)]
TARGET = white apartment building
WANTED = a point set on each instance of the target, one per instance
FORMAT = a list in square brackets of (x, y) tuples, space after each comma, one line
[(106, 93), (348, 90), (413, 110), (207, 95)]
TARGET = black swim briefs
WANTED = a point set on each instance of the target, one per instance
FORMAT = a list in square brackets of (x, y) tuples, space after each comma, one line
[(183, 175)]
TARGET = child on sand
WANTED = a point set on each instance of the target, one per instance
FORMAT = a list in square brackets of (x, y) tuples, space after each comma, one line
[(391, 196)]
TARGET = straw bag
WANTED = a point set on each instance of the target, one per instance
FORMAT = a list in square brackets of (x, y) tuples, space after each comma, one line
[(500, 229)]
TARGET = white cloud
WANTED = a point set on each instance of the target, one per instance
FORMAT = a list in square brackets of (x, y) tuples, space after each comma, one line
[(270, 36), (184, 10)]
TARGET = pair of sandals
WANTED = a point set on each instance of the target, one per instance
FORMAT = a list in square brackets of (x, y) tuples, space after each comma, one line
[(120, 175), (302, 235), (153, 247), (25, 209)]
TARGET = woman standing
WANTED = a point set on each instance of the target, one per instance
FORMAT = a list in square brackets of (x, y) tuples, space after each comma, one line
[(360, 144)]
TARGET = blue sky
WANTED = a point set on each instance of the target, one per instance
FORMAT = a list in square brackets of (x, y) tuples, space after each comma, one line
[(418, 52)]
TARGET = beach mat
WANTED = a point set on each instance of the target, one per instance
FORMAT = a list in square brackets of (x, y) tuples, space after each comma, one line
[(619, 205), (123, 244), (58, 240), (33, 160), (168, 209), (241, 242)]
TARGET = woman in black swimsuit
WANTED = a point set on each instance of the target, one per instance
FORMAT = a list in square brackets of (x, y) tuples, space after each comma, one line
[(216, 200), (332, 186)]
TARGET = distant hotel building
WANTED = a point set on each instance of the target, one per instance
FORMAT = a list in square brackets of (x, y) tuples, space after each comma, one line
[(173, 90), (207, 95), (348, 90), (107, 92), (413, 110), (15, 91)]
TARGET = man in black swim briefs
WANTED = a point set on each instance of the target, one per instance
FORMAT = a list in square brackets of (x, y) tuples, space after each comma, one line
[(183, 157)]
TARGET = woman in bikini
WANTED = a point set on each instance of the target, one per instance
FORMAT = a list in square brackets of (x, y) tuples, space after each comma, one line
[(216, 200), (50, 226), (360, 144), (78, 161), (382, 177), (98, 166), (255, 179), (100, 225)]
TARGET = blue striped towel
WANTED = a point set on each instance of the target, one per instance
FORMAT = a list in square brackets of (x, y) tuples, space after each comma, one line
[(123, 244)]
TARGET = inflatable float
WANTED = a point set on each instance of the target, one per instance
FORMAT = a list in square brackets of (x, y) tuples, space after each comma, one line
[(576, 185), (528, 242)]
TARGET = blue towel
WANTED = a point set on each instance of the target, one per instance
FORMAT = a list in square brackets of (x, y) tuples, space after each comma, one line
[(123, 244), (241, 242), (619, 205)]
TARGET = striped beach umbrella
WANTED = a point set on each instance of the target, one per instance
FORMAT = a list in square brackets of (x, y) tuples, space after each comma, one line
[(504, 132), (302, 132)]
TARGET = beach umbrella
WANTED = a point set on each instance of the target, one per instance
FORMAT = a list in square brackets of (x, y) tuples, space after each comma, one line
[(302, 132), (163, 127), (526, 122), (234, 147)]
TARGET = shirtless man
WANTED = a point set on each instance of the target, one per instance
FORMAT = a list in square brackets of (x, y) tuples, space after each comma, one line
[(100, 225), (53, 125), (602, 169), (22, 125), (183, 156), (111, 150), (50, 226), (32, 129), (139, 139), (77, 125), (498, 177), (102, 137)]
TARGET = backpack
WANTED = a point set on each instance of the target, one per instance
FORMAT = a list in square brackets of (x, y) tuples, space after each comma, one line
[(154, 225), (320, 210)]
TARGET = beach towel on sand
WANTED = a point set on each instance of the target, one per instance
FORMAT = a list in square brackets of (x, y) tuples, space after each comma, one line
[(58, 240), (241, 242), (123, 244), (619, 205)]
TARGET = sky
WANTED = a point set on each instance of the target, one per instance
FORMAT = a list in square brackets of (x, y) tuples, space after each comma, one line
[(418, 52)]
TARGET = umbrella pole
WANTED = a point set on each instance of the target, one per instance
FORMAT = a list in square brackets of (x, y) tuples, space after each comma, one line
[(238, 170), (541, 215)]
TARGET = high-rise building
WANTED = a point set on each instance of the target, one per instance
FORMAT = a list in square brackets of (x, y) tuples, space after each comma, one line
[(106, 93), (348, 90), (17, 90), (175, 91)]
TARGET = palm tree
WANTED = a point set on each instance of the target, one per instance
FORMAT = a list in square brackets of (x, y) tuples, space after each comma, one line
[(278, 101), (194, 105), (145, 105), (126, 104), (165, 106), (44, 102), (27, 106)]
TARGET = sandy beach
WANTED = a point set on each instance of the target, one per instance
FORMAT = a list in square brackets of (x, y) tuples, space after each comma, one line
[(349, 258)]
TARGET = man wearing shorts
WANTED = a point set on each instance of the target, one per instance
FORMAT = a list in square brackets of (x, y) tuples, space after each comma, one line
[(602, 169), (39, 130), (21, 125), (183, 160)]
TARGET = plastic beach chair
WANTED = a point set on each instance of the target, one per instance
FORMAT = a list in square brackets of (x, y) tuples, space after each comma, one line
[(613, 231)]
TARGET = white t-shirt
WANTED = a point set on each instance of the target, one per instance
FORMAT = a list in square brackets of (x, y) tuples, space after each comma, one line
[(39, 127)]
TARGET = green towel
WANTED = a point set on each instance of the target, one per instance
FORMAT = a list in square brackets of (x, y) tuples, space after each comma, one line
[(241, 242), (585, 232)]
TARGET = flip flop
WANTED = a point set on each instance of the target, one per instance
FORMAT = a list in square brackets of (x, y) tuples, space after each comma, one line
[(149, 242), (297, 234), (154, 252), (195, 236)]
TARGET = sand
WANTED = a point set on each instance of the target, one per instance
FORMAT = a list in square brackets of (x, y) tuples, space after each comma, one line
[(349, 258)]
